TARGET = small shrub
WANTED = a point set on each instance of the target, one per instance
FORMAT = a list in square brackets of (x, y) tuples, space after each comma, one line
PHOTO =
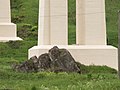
[(27, 26), (27, 31), (17, 18), (89, 76), (24, 30), (17, 4), (23, 33), (14, 44), (34, 28), (33, 88)]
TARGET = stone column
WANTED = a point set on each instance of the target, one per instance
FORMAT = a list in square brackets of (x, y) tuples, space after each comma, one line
[(44, 23), (5, 15), (53, 22), (59, 22), (80, 22), (90, 23), (7, 29)]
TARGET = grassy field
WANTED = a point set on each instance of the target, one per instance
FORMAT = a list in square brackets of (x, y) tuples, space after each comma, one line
[(25, 15), (92, 78)]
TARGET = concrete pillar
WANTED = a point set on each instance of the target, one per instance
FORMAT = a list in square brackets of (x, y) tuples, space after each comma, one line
[(80, 22), (90, 22), (53, 22), (7, 29), (5, 15), (59, 22), (44, 23)]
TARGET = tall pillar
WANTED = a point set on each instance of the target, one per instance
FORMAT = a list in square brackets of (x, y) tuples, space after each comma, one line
[(44, 22), (7, 29), (53, 22), (59, 22), (90, 22), (5, 16)]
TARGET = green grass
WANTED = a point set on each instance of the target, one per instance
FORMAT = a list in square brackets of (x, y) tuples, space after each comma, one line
[(26, 8), (92, 77), (60, 81), (112, 8), (25, 15), (20, 53)]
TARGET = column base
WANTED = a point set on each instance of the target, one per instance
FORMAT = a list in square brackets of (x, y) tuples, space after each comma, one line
[(8, 32), (6, 39), (85, 54)]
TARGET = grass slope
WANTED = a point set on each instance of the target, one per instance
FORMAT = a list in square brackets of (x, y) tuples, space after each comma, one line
[(25, 15), (29, 10), (112, 7)]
